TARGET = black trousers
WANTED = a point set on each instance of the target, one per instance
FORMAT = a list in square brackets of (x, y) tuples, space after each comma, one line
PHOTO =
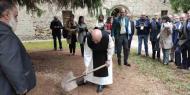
[(72, 48), (185, 50), (154, 50), (82, 49), (115, 46), (122, 41), (185, 58), (72, 45), (178, 56), (55, 37), (130, 40)]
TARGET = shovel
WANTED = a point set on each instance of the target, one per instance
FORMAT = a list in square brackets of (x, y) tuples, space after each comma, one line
[(70, 82)]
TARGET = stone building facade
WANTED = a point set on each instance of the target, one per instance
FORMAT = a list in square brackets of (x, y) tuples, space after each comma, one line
[(32, 27)]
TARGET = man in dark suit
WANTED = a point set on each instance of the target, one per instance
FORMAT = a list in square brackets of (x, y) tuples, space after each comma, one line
[(120, 32), (154, 31), (184, 42), (17, 75), (115, 18), (56, 27)]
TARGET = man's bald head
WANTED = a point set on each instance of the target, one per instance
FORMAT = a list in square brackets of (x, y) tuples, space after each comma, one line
[(96, 35)]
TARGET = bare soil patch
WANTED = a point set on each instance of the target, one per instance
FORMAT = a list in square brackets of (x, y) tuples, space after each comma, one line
[(52, 66)]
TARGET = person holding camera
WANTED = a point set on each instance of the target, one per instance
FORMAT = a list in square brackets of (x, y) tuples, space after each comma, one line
[(56, 27), (143, 27)]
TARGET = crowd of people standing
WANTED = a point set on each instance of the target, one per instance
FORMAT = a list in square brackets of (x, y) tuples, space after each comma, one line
[(169, 34)]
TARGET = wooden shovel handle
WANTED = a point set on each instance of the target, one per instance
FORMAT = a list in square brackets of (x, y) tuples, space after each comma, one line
[(98, 68)]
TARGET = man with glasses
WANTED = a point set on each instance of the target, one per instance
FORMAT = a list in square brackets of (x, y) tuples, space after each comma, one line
[(121, 33)]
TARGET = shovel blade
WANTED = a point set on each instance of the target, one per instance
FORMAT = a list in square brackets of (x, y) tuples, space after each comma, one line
[(68, 85)]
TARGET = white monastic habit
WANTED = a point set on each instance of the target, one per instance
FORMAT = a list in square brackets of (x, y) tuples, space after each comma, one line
[(88, 60)]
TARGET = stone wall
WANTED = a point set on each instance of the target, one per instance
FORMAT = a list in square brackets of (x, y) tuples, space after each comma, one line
[(32, 27), (136, 7)]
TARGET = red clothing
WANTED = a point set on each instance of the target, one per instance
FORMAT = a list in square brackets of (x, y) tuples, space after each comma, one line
[(108, 26)]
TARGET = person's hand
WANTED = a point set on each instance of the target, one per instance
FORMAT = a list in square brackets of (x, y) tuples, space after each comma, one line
[(158, 36), (86, 71), (113, 38), (108, 63), (90, 30), (23, 93), (73, 30)]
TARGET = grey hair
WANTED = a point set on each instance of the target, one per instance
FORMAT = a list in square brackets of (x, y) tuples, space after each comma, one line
[(4, 6)]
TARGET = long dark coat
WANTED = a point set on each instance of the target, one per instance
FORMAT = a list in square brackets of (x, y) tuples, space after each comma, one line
[(16, 71)]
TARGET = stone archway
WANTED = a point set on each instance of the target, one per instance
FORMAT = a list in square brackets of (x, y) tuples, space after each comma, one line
[(115, 10)]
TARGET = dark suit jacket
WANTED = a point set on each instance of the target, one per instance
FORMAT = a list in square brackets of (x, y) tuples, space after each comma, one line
[(116, 27), (132, 27), (56, 27), (155, 30), (16, 71), (146, 25)]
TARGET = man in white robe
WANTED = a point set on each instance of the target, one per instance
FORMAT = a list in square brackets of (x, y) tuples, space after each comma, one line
[(98, 50)]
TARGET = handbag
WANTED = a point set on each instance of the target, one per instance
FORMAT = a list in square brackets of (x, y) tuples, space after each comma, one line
[(64, 33)]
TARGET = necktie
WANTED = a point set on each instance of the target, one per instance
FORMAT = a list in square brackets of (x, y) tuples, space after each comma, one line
[(129, 28)]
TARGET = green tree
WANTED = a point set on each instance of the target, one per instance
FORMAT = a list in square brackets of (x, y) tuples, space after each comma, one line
[(179, 5), (32, 5)]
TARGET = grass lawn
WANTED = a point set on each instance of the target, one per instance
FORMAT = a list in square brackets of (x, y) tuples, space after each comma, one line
[(45, 45), (175, 80)]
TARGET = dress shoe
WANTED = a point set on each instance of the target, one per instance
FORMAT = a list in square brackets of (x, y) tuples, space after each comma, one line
[(166, 64), (171, 61), (119, 62), (129, 65), (179, 67), (81, 82), (159, 60), (100, 88)]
